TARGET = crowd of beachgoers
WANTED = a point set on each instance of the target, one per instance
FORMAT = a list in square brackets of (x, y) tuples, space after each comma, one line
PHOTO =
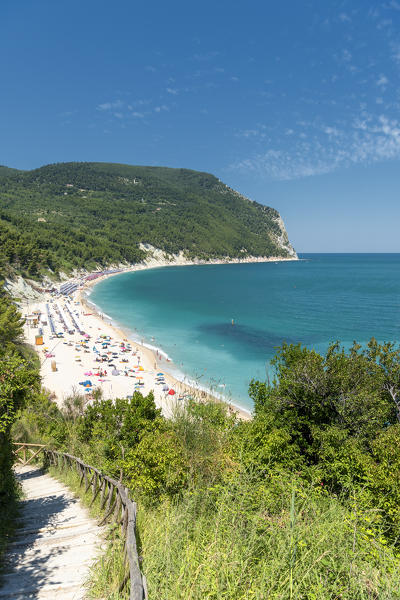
[(81, 353)]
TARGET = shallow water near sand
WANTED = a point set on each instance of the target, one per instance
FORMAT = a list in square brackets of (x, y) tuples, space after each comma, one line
[(188, 312)]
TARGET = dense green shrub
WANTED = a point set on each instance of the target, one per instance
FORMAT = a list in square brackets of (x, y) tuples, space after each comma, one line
[(19, 381), (334, 417)]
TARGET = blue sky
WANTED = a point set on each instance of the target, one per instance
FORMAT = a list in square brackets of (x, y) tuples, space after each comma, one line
[(295, 104)]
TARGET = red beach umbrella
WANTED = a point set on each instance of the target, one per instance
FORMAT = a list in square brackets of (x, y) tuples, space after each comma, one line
[(171, 392)]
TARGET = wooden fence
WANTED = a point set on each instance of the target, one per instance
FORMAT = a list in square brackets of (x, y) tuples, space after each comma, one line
[(114, 499), (26, 453)]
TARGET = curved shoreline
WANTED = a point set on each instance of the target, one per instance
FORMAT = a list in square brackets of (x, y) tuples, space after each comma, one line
[(192, 388), (177, 261), (66, 377)]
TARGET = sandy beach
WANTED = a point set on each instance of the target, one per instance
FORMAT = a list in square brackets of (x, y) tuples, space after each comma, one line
[(93, 354)]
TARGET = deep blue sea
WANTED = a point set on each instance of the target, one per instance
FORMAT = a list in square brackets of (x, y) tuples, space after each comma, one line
[(188, 311)]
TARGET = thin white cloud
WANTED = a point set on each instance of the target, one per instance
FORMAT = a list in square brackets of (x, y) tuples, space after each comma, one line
[(172, 91), (395, 49), (344, 17), (384, 23), (250, 133), (331, 131), (346, 55), (205, 56), (382, 81), (110, 105), (161, 108), (368, 140)]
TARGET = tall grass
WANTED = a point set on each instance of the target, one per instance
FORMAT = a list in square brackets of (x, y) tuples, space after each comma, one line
[(235, 544), (9, 512), (10, 494)]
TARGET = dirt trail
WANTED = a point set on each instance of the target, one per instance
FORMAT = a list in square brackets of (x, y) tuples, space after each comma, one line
[(55, 545)]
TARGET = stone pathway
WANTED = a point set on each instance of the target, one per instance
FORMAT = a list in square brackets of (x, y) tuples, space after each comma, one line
[(55, 545)]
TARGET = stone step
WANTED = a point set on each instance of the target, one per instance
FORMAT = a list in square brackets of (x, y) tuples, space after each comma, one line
[(22, 533), (51, 548)]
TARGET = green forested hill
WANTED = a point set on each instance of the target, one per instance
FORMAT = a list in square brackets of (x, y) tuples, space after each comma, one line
[(6, 171), (70, 215)]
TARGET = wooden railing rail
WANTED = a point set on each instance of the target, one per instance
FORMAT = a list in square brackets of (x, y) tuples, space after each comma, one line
[(27, 452), (115, 500)]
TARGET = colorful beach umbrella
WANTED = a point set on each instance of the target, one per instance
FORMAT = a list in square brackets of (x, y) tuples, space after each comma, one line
[(171, 392)]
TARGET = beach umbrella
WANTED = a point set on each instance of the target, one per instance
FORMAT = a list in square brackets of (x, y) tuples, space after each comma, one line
[(160, 374), (165, 388), (171, 392)]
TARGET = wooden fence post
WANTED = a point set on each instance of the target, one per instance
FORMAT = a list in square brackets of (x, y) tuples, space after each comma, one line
[(103, 489), (136, 576)]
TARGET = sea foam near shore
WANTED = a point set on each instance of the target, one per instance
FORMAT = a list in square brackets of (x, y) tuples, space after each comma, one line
[(162, 358)]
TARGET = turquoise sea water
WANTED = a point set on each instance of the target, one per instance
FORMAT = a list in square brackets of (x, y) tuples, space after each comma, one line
[(188, 311)]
